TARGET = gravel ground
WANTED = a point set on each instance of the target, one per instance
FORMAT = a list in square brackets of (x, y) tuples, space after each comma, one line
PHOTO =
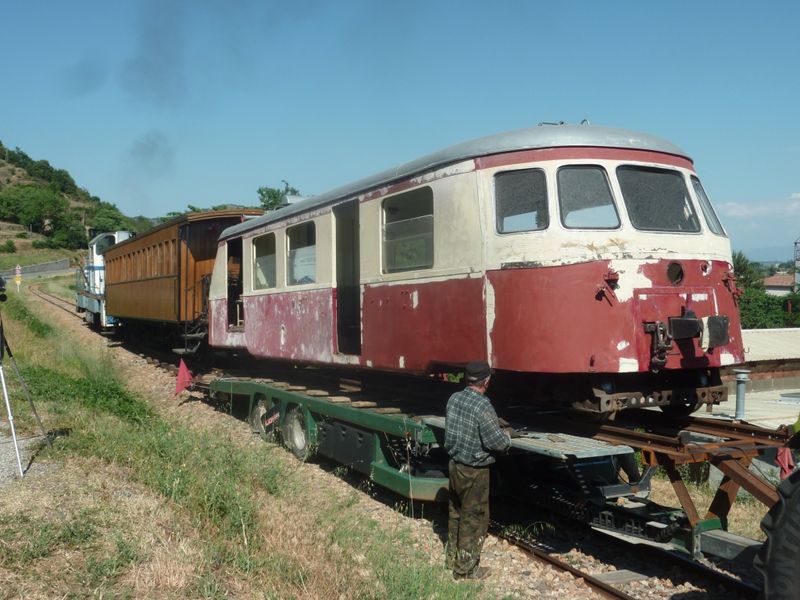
[(28, 446), (513, 574)]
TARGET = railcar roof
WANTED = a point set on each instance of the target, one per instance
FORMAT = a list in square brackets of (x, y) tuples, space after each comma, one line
[(544, 136), (191, 217)]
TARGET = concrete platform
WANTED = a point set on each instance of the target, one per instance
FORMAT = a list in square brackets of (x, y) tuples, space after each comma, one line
[(769, 408)]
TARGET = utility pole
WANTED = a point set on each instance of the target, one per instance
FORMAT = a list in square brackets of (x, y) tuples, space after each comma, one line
[(797, 265)]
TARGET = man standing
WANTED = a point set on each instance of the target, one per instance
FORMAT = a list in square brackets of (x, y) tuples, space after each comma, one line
[(472, 434)]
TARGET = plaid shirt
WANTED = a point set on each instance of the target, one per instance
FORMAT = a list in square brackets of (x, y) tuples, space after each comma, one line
[(471, 430)]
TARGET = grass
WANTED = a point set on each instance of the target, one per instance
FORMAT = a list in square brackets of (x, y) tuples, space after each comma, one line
[(32, 256), (745, 515), (149, 502)]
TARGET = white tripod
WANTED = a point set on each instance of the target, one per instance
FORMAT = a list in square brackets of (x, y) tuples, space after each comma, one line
[(5, 348)]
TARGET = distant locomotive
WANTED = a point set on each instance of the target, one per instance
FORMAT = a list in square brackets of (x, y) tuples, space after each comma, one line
[(586, 264), (90, 282)]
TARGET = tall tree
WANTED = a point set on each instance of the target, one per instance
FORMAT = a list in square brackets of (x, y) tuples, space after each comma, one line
[(274, 198), (748, 274)]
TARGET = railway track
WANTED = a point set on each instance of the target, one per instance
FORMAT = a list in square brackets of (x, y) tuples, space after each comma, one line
[(57, 301), (699, 574)]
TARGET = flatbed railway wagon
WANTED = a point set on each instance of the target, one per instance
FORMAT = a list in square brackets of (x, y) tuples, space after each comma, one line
[(90, 281), (160, 279), (585, 264)]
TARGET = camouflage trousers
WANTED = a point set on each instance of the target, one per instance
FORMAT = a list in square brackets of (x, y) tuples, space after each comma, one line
[(468, 517)]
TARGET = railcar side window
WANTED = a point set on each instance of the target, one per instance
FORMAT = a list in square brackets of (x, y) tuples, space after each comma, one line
[(264, 262), (520, 199), (705, 205), (657, 199), (302, 256), (584, 198), (408, 231)]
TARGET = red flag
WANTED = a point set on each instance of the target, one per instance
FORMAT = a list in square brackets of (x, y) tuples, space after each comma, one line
[(785, 461), (184, 378)]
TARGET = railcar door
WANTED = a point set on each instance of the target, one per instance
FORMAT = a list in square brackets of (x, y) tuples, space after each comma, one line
[(235, 284), (348, 289)]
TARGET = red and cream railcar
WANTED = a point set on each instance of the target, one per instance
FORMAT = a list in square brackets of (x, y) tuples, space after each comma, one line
[(586, 264)]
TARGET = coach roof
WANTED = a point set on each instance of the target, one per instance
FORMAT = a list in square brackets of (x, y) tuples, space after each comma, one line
[(544, 136)]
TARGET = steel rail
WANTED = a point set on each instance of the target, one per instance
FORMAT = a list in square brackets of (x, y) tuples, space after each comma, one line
[(56, 301), (743, 588), (596, 585), (723, 428)]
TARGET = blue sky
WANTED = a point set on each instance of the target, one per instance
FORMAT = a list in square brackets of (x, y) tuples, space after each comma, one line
[(156, 105)]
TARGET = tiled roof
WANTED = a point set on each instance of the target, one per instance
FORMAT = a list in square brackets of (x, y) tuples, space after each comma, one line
[(779, 280)]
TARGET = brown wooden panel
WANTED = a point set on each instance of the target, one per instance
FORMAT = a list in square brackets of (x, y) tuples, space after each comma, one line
[(151, 299)]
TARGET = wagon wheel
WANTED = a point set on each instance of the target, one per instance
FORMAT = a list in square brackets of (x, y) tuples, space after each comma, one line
[(264, 419), (295, 434), (779, 556)]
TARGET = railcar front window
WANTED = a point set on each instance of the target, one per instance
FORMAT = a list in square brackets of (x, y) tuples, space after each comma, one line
[(520, 199), (657, 199), (584, 198), (408, 231), (302, 256), (705, 205), (264, 262)]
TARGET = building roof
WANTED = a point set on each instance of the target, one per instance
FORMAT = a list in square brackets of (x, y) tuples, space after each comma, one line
[(780, 280), (771, 344)]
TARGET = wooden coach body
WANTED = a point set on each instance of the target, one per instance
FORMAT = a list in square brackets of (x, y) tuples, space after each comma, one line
[(158, 275)]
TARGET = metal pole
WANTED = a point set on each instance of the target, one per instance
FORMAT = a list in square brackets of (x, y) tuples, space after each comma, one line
[(741, 384), (11, 420)]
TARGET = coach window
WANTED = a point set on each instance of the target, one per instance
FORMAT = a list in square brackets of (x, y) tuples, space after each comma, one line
[(408, 231), (520, 200), (657, 199), (302, 258), (584, 198), (705, 205), (264, 262)]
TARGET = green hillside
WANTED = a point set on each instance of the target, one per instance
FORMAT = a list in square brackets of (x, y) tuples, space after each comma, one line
[(50, 209)]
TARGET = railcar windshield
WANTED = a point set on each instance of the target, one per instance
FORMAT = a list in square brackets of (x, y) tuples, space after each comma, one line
[(584, 198), (705, 205), (520, 201), (657, 199), (104, 243)]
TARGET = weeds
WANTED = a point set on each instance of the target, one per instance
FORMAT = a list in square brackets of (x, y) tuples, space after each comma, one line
[(258, 528), (26, 539), (17, 310)]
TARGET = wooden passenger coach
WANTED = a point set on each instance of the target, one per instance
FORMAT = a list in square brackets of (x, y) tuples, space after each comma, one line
[(159, 275)]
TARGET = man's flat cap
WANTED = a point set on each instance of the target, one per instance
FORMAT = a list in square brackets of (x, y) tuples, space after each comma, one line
[(477, 370)]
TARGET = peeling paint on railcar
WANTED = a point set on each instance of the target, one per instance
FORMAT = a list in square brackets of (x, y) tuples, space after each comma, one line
[(631, 277), (555, 319), (294, 325)]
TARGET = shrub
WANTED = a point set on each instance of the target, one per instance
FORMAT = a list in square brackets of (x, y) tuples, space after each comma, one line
[(9, 247), (22, 235)]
